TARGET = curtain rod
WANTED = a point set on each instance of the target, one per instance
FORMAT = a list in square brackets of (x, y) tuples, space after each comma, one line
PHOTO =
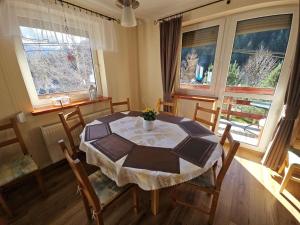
[(88, 10), (189, 10)]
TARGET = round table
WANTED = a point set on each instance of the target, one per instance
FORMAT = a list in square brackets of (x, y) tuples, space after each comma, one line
[(172, 147)]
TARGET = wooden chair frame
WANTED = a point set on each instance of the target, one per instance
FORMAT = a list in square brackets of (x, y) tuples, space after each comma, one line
[(89, 196), (113, 104), (291, 168), (18, 139), (215, 114), (218, 179), (172, 105), (69, 129)]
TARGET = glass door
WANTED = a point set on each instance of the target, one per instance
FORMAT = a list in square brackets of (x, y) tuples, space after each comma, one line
[(254, 74)]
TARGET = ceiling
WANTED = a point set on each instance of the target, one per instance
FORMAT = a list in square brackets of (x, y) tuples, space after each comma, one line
[(148, 9)]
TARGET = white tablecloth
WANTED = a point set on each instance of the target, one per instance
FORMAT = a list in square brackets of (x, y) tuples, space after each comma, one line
[(164, 135)]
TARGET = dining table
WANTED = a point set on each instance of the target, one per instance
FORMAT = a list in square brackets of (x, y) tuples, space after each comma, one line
[(177, 150)]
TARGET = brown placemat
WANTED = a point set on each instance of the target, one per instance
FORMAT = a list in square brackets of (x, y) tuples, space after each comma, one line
[(113, 146), (135, 113), (153, 158), (169, 118), (194, 128), (96, 131), (196, 150), (113, 117)]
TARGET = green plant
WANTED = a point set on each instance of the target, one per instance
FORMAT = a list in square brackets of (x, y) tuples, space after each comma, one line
[(149, 114), (272, 79), (233, 75)]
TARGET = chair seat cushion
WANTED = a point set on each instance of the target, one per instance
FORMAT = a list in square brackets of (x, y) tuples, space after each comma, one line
[(205, 180), (16, 167), (105, 188)]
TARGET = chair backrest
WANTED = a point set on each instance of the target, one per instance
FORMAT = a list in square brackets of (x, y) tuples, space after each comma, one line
[(18, 139), (172, 106), (82, 179), (226, 160), (215, 114), (125, 103), (68, 129)]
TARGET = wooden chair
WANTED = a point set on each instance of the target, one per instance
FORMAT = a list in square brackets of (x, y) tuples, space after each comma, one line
[(113, 104), (209, 182), (70, 128), (215, 114), (164, 105), (17, 167), (292, 166), (97, 190)]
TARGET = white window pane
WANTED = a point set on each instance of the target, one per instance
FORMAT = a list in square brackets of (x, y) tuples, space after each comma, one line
[(59, 62)]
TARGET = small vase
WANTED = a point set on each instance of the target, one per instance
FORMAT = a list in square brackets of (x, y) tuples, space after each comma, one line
[(148, 125)]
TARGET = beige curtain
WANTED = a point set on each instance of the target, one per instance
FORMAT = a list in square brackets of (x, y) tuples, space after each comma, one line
[(276, 153), (170, 31)]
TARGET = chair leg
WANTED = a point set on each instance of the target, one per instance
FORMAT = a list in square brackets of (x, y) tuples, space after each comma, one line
[(86, 207), (213, 208), (154, 201), (5, 206), (286, 178), (99, 218), (40, 182), (282, 166), (135, 196)]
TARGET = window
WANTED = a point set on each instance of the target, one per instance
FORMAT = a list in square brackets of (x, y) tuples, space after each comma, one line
[(257, 58), (258, 53), (58, 62), (198, 57), (244, 60)]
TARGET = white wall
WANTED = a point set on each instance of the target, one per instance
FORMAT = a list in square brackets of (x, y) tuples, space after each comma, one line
[(149, 63)]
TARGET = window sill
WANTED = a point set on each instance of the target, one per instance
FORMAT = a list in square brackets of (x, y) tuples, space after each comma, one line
[(195, 97), (50, 109)]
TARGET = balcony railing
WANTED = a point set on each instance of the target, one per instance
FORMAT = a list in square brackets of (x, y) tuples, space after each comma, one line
[(232, 89), (247, 125), (250, 90)]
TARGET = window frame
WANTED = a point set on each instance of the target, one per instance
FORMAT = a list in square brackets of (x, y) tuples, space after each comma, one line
[(227, 25), (45, 100), (212, 90), (279, 94)]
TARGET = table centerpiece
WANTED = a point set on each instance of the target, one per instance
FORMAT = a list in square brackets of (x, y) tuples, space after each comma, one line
[(149, 116)]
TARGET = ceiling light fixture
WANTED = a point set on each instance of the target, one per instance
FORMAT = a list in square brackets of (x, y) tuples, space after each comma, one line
[(128, 17)]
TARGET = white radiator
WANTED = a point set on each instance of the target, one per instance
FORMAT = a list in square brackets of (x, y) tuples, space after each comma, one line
[(52, 133)]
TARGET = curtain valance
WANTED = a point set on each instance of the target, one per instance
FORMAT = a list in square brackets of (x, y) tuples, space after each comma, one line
[(51, 15)]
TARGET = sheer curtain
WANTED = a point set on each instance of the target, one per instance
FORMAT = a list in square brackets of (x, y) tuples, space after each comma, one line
[(56, 16)]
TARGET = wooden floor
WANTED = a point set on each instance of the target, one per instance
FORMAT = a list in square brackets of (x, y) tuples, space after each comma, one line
[(249, 196)]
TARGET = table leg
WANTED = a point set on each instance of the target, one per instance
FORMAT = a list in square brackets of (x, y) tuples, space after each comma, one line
[(154, 202)]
